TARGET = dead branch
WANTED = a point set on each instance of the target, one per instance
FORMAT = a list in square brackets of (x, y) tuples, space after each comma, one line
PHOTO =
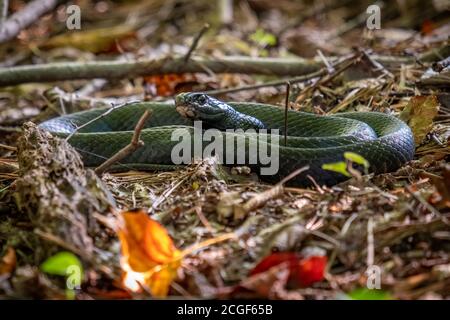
[(329, 76), (25, 17), (60, 71), (104, 114), (286, 108), (129, 69), (378, 66), (10, 148), (128, 149), (3, 11), (195, 42), (259, 200), (276, 83)]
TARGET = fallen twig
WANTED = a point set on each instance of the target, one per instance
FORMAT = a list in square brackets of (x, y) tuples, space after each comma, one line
[(60, 71), (128, 149), (22, 19), (226, 11), (62, 102), (104, 114), (286, 108), (277, 83), (329, 76), (10, 148), (377, 65), (259, 200), (370, 243), (195, 42), (3, 11), (427, 205), (62, 243), (330, 67)]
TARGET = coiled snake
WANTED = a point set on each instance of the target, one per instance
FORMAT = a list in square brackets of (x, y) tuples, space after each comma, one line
[(385, 141)]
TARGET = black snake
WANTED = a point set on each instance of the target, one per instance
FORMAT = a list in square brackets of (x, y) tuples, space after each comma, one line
[(313, 140)]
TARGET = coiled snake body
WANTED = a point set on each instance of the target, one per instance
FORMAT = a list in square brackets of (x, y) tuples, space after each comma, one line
[(312, 140)]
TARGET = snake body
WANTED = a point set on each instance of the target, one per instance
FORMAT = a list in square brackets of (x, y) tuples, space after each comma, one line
[(313, 140)]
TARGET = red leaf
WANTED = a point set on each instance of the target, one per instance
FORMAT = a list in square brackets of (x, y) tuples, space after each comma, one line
[(274, 260), (303, 272), (428, 27), (311, 270), (8, 262)]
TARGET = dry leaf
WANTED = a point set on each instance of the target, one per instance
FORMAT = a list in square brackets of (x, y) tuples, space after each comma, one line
[(8, 262), (149, 256), (266, 284), (303, 272), (95, 40), (419, 114), (166, 85), (441, 198)]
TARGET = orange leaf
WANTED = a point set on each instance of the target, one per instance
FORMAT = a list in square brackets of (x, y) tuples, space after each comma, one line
[(167, 84), (148, 253), (428, 27), (8, 262)]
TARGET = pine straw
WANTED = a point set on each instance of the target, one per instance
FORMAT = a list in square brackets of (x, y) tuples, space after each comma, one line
[(411, 236)]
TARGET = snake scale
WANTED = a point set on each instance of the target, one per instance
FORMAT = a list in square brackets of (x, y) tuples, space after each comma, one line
[(313, 140)]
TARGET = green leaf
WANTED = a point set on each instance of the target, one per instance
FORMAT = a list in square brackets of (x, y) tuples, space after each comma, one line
[(60, 263), (369, 294), (356, 158), (340, 167), (263, 38)]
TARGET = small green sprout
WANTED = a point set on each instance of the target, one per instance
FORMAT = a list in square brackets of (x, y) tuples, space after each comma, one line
[(65, 264), (342, 166)]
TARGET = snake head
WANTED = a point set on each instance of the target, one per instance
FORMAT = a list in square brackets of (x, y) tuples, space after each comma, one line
[(199, 106)]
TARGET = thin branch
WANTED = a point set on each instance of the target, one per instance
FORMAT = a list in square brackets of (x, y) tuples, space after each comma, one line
[(10, 148), (325, 61), (195, 42), (10, 129), (277, 83), (3, 11), (260, 199), (428, 206), (63, 244), (226, 11), (60, 71), (134, 144), (328, 77), (378, 66), (286, 108), (293, 174), (370, 243), (25, 17), (104, 114)]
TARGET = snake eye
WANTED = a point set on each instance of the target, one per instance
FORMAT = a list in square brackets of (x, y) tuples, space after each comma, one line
[(201, 99)]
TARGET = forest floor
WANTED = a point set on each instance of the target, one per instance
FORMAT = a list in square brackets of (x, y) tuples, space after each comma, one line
[(372, 237)]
